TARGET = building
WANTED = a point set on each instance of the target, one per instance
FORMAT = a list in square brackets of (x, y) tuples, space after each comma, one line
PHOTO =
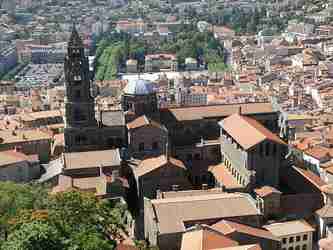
[(8, 59), (84, 129), (248, 148), (42, 54), (146, 137), (297, 235), (245, 234), (18, 167), (187, 211), (161, 173), (203, 237), (92, 163), (191, 63), (189, 97), (131, 66), (159, 62), (29, 142), (139, 97), (269, 201), (39, 119)]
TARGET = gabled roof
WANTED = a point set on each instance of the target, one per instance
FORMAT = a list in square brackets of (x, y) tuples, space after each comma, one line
[(228, 227), (142, 121), (202, 237), (247, 131), (223, 176), (151, 164)]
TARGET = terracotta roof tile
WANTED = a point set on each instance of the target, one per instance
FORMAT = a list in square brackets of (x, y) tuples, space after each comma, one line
[(153, 163), (318, 152), (92, 159), (247, 131), (202, 237), (211, 111), (266, 190), (222, 175), (141, 122), (228, 227)]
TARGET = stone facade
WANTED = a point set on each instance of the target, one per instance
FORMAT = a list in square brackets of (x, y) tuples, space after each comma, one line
[(83, 131), (147, 140)]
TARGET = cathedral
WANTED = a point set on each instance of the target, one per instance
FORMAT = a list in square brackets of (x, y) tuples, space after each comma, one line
[(84, 129), (142, 129)]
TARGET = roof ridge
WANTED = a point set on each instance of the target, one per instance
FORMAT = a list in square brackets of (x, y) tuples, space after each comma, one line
[(212, 196)]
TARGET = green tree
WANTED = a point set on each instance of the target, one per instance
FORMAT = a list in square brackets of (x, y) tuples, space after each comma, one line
[(35, 235)]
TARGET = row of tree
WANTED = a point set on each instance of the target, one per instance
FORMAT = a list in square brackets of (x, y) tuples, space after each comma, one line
[(113, 51)]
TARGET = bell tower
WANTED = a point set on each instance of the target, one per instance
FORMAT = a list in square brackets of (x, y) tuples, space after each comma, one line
[(79, 103)]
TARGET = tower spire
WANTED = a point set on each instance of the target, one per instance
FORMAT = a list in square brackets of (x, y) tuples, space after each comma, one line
[(75, 39)]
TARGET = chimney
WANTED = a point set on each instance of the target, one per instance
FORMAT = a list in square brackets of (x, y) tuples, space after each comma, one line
[(175, 188)]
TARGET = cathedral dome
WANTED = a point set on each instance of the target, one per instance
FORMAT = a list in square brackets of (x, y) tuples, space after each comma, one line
[(139, 87)]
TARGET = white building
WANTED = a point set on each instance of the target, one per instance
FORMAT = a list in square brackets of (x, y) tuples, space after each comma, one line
[(294, 235)]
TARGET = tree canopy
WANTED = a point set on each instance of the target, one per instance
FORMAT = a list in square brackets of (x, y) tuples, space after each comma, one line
[(33, 219)]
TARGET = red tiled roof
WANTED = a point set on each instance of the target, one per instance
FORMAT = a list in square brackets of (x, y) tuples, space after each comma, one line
[(266, 190), (222, 175), (151, 164), (247, 131), (228, 227), (203, 237), (318, 152), (141, 122)]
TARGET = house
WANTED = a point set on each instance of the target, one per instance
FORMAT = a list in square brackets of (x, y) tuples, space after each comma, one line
[(203, 237), (18, 167), (297, 234), (191, 63), (92, 163), (29, 142), (158, 62), (40, 119), (131, 66), (160, 173), (244, 234), (146, 137), (187, 211)]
